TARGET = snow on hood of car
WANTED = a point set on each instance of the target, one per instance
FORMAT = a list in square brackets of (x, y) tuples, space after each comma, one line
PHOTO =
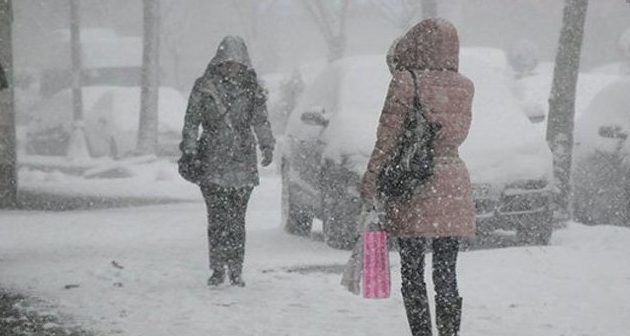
[(610, 107), (533, 90), (502, 147)]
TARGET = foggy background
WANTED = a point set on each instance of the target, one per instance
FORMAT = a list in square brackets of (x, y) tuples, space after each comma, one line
[(281, 35)]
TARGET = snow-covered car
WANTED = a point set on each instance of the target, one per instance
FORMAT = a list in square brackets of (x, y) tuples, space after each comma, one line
[(331, 133), (601, 158), (110, 121), (533, 90)]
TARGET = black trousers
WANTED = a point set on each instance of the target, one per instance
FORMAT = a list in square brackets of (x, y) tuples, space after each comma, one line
[(226, 226), (445, 252)]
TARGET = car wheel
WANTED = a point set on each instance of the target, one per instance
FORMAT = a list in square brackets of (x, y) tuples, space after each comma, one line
[(536, 230), (340, 222), (296, 220)]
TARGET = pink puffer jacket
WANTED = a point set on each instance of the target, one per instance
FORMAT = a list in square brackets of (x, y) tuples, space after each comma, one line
[(443, 206)]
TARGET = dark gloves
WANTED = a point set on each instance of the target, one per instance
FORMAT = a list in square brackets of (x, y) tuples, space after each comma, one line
[(267, 156)]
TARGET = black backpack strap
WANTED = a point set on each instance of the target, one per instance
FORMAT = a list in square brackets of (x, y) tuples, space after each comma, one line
[(433, 128), (416, 93)]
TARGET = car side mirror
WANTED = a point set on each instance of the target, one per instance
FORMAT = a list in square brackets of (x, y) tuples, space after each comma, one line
[(537, 119), (315, 117), (612, 132)]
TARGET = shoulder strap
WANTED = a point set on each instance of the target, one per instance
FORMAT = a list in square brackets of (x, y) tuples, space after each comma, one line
[(416, 92), (421, 110), (431, 128), (206, 86)]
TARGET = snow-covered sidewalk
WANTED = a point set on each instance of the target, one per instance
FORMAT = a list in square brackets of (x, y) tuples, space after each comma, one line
[(142, 271)]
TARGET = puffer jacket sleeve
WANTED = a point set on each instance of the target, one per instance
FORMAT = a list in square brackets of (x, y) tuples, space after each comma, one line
[(192, 120), (260, 122), (398, 103)]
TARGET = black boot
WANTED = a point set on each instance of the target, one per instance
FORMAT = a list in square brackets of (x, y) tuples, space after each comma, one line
[(217, 277), (418, 314), (448, 315), (236, 278)]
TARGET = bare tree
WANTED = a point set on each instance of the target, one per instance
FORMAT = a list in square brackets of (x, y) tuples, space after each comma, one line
[(176, 22), (247, 11), (76, 64), (77, 148), (253, 15), (562, 98), (8, 174), (148, 124), (429, 9), (330, 17), (403, 14)]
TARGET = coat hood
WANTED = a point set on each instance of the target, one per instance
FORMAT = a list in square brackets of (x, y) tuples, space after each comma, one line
[(390, 58), (231, 48), (432, 44)]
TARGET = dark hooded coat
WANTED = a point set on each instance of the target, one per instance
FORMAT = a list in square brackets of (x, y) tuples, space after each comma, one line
[(230, 111), (443, 206)]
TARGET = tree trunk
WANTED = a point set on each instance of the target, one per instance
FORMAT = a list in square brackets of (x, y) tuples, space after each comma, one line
[(75, 46), (337, 44), (330, 17), (402, 14), (77, 148), (8, 171), (148, 125), (429, 9), (562, 98)]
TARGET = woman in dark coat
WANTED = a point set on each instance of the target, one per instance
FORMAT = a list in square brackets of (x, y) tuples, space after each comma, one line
[(230, 106), (441, 210)]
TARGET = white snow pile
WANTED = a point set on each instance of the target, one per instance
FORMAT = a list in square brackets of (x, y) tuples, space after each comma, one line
[(145, 176)]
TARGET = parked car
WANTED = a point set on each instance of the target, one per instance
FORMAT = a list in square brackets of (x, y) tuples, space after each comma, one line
[(601, 158), (533, 91), (110, 119), (332, 131)]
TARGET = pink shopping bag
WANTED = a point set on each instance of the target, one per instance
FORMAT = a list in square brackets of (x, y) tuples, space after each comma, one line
[(376, 278)]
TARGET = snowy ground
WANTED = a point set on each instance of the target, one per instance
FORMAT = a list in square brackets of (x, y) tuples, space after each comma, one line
[(142, 271)]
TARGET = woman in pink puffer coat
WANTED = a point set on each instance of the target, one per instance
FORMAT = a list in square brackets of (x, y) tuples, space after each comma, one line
[(441, 211)]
